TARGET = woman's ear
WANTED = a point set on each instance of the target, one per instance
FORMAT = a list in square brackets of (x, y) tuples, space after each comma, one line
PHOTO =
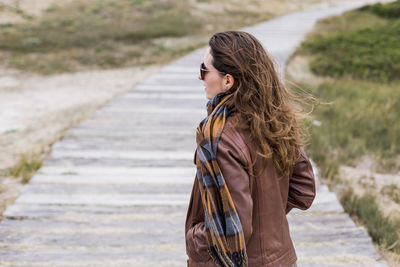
[(228, 82)]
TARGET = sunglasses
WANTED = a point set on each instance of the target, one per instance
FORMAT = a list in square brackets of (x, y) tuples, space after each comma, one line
[(203, 71)]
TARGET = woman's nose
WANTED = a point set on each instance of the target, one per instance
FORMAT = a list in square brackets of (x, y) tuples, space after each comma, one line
[(199, 77)]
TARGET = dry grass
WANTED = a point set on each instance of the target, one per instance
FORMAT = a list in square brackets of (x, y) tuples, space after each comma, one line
[(383, 231), (101, 34), (98, 34), (26, 167), (359, 120), (392, 191)]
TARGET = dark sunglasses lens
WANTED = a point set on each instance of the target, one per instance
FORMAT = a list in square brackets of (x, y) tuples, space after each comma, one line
[(202, 72)]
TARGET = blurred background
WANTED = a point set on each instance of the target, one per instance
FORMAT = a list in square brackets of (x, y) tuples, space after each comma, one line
[(62, 60)]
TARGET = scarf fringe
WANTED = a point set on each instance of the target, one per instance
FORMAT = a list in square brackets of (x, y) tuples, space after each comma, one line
[(235, 259)]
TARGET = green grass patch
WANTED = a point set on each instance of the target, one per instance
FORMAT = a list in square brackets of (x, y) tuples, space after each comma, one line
[(389, 10), (371, 53), (349, 21), (25, 168), (383, 231), (359, 44)]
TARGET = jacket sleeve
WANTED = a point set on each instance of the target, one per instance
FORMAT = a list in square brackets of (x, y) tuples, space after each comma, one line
[(196, 242), (301, 184), (232, 164), (233, 160)]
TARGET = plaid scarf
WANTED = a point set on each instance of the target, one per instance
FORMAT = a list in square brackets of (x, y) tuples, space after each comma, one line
[(224, 231)]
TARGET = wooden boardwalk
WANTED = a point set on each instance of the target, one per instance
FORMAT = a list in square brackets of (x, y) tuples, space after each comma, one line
[(114, 191)]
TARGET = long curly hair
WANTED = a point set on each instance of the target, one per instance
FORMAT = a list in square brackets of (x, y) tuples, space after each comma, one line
[(262, 104)]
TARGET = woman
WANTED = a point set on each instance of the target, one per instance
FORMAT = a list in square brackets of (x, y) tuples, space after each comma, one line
[(251, 169)]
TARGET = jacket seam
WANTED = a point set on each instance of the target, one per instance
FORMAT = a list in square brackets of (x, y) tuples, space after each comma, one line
[(240, 147)]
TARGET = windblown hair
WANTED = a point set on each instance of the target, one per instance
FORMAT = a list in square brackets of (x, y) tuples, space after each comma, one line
[(262, 104)]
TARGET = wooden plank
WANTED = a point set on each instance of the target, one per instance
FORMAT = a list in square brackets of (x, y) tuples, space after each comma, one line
[(170, 96), (117, 170), (129, 225), (336, 250), (351, 235), (20, 211), (106, 199), (108, 162), (105, 188), (169, 254), (318, 221), (166, 88), (95, 239), (131, 155), (112, 180)]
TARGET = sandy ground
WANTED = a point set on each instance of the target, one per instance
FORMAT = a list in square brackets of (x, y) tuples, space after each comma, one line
[(363, 178), (30, 7)]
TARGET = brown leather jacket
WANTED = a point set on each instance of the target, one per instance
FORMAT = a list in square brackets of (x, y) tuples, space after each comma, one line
[(262, 203)]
